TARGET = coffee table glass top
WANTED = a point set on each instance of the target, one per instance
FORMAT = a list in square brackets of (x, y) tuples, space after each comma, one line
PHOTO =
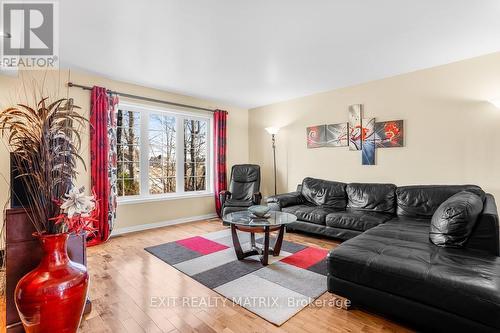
[(272, 218)]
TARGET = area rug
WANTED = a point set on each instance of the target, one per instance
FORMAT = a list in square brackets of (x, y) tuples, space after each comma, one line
[(275, 292)]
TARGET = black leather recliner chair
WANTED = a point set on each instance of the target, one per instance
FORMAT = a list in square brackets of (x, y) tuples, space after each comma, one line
[(244, 189)]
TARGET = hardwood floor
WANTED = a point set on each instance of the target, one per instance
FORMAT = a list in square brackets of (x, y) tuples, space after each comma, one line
[(124, 277)]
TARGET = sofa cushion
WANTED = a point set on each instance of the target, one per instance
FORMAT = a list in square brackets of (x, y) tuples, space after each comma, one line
[(324, 193), (310, 213), (246, 173), (375, 197), (453, 221), (398, 258), (423, 200), (238, 203), (405, 228), (286, 199), (485, 234), (228, 210), (318, 229), (245, 181), (356, 219)]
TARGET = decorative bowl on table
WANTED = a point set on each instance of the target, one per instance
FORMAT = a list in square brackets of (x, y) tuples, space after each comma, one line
[(259, 211)]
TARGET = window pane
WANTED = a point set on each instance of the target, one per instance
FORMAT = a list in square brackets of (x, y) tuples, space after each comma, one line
[(170, 184), (155, 169), (128, 127), (156, 138), (189, 170), (201, 154), (187, 156), (169, 169), (200, 184), (194, 184), (169, 159), (195, 154), (128, 141), (199, 170), (161, 185), (162, 156), (128, 186), (156, 152), (128, 135), (120, 187), (188, 125), (128, 119), (189, 184), (131, 186), (128, 153), (155, 185), (160, 122), (128, 169)]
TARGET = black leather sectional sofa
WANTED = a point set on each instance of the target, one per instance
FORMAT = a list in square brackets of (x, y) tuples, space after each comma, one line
[(389, 265)]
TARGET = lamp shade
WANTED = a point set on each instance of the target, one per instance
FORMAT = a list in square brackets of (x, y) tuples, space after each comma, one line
[(495, 102), (272, 130)]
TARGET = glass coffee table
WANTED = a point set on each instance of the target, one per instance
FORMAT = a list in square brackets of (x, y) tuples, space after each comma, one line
[(247, 222)]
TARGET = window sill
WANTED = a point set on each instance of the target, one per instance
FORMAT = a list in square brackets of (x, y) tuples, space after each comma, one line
[(145, 199)]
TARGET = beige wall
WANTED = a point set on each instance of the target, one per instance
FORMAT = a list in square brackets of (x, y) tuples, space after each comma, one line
[(11, 91), (452, 133)]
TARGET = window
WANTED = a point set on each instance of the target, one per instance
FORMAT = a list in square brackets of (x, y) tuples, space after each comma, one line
[(162, 146), (195, 155), (162, 153), (128, 139)]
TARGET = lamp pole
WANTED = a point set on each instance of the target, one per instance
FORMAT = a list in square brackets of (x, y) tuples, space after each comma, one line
[(274, 162), (273, 131)]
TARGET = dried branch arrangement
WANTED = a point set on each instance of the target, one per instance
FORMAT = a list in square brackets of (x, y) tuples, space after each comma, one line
[(45, 141)]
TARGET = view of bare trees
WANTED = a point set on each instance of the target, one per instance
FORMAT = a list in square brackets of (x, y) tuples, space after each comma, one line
[(162, 159), (128, 138), (195, 155), (162, 151)]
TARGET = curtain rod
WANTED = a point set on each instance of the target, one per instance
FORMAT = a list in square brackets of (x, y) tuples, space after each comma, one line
[(142, 98)]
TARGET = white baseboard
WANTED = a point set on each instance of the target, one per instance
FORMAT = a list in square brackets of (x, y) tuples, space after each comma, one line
[(141, 227)]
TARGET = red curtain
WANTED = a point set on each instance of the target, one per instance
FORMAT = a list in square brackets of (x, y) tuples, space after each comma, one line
[(220, 118), (103, 160)]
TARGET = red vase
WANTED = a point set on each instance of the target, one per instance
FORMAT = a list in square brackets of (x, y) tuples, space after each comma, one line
[(51, 297)]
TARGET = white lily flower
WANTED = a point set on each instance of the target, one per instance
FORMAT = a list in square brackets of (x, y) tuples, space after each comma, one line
[(75, 202)]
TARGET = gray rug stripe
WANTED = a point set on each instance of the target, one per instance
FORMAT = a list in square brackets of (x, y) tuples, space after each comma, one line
[(228, 272), (172, 253)]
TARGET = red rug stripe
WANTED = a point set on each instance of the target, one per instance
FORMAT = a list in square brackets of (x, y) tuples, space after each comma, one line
[(201, 245), (306, 258)]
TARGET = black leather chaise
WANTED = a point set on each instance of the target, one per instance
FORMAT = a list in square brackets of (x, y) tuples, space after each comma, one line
[(389, 264)]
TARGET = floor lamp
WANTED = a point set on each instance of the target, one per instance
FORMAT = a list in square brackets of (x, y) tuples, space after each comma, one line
[(273, 131)]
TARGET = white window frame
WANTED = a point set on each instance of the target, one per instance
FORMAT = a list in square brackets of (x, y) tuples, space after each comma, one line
[(145, 111)]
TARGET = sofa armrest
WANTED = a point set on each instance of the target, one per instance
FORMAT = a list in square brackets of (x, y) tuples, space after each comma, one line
[(486, 233), (223, 196), (284, 200), (256, 198)]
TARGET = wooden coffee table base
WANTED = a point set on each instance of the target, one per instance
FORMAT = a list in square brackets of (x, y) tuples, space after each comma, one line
[(262, 252)]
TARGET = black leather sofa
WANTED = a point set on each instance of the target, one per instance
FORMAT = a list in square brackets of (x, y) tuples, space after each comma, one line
[(336, 209), (389, 265)]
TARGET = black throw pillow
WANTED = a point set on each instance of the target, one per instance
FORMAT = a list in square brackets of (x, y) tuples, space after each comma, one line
[(452, 222)]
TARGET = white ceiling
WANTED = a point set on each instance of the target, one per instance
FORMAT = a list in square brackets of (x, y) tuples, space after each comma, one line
[(252, 53)]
